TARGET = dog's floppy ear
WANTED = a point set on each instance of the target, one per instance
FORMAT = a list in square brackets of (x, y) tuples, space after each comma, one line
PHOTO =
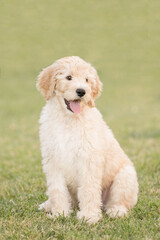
[(46, 81), (96, 90)]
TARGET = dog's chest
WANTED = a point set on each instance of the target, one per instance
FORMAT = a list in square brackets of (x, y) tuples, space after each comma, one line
[(69, 146)]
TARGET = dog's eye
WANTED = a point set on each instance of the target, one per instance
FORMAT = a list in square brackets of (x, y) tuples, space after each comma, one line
[(69, 77), (86, 79)]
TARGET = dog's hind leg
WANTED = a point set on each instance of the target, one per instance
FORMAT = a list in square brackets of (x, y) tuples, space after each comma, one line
[(123, 192), (46, 206)]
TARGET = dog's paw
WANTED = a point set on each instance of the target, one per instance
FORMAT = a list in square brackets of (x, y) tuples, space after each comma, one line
[(54, 211), (57, 212), (90, 217), (46, 206), (117, 211)]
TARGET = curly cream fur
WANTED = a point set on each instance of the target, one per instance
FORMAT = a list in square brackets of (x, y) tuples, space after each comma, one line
[(82, 160)]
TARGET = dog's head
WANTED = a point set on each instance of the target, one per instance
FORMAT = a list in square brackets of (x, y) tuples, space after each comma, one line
[(74, 82)]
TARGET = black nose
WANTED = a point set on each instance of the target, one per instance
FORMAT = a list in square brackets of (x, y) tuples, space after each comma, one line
[(80, 92)]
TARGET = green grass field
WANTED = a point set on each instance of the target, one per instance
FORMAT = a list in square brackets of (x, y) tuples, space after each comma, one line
[(121, 39)]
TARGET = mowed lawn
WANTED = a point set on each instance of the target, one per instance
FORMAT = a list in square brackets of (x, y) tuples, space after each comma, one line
[(121, 39)]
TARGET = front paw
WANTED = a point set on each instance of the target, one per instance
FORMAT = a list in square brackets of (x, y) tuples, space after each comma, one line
[(55, 212), (90, 216), (116, 211)]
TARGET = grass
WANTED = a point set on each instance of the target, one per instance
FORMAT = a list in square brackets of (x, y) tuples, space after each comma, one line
[(121, 39)]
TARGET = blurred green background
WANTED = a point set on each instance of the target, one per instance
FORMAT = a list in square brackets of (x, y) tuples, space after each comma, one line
[(122, 40)]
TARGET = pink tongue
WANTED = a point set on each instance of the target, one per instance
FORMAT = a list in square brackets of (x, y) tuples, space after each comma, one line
[(75, 106)]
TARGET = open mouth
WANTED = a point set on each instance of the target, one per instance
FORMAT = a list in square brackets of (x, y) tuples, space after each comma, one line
[(73, 106)]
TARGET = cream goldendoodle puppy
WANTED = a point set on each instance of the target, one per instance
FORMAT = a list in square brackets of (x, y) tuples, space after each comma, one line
[(82, 160)]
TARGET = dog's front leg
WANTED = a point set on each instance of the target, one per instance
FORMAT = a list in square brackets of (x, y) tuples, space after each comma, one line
[(59, 199), (89, 194)]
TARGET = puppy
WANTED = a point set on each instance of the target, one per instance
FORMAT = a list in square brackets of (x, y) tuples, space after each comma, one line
[(82, 160)]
